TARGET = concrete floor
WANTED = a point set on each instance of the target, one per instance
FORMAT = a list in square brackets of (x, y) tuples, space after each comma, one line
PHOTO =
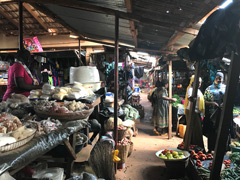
[(143, 163)]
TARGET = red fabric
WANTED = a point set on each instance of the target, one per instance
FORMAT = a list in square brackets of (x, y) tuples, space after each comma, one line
[(16, 70)]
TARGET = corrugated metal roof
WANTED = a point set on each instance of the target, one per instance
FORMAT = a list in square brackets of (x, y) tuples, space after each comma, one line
[(157, 26), (94, 25)]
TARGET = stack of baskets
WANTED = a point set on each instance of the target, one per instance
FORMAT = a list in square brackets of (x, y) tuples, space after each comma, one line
[(125, 146)]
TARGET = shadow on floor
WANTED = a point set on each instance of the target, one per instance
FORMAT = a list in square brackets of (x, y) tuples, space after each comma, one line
[(155, 173)]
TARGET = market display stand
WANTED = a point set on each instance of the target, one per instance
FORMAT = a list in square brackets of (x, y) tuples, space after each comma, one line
[(15, 160)]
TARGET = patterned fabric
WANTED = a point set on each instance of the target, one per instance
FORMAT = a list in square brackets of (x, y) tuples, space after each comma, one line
[(214, 93), (160, 108)]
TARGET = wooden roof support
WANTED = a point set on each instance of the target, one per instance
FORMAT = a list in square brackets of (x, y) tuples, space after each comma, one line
[(55, 17), (9, 18), (226, 117), (133, 30), (35, 15)]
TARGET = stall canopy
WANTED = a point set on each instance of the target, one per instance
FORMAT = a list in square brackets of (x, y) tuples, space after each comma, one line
[(151, 26)]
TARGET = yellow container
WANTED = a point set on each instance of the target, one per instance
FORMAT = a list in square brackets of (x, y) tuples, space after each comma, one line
[(182, 130)]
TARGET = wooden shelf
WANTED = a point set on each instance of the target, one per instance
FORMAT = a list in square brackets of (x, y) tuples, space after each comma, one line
[(84, 154)]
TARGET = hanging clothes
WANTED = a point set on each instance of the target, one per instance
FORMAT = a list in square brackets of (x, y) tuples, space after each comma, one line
[(138, 71)]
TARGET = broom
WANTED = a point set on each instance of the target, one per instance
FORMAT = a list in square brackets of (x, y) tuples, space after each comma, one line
[(101, 160)]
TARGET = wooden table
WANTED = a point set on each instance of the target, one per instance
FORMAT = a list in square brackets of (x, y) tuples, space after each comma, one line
[(15, 160)]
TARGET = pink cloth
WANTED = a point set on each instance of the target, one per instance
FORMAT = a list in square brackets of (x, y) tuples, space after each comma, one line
[(16, 70)]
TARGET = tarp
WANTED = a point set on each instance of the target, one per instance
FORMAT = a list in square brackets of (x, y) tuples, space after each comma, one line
[(38, 146)]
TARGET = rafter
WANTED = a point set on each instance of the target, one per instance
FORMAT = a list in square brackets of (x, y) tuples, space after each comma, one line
[(133, 30), (9, 18), (35, 15)]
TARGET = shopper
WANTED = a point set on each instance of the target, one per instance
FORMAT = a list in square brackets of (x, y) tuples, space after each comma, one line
[(197, 136), (213, 96), (20, 79), (160, 108)]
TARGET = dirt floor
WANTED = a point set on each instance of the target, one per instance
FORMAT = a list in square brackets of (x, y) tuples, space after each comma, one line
[(143, 163)]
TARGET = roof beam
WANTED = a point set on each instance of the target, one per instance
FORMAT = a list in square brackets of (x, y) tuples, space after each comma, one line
[(9, 18), (195, 20), (35, 15), (93, 8), (133, 30), (156, 52), (55, 17)]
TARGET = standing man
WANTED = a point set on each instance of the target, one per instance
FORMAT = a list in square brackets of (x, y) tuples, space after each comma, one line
[(213, 96)]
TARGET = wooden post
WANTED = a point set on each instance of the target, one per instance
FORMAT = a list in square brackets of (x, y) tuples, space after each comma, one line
[(79, 48), (188, 134), (20, 27), (170, 104), (116, 59), (226, 116)]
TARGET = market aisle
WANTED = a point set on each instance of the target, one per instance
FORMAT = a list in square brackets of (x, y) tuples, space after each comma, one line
[(143, 164)]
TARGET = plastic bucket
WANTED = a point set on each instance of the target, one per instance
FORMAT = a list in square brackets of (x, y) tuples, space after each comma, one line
[(182, 130), (137, 89)]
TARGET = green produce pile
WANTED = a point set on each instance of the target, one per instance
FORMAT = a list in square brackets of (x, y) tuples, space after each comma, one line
[(170, 154), (235, 158), (231, 173), (236, 110), (203, 173), (130, 112), (175, 104)]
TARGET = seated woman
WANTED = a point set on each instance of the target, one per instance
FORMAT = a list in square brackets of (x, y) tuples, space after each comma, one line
[(20, 79)]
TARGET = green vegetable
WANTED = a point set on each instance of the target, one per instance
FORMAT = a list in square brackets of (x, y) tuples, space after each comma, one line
[(175, 104), (231, 173), (203, 172), (235, 157), (236, 110)]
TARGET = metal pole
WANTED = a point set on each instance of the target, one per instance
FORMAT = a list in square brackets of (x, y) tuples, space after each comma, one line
[(116, 59), (20, 28), (226, 117)]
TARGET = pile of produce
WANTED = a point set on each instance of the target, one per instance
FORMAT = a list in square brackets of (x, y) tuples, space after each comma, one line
[(201, 156), (175, 104), (67, 107), (236, 110), (235, 144), (9, 123), (130, 112), (59, 93), (12, 130), (171, 154), (191, 146)]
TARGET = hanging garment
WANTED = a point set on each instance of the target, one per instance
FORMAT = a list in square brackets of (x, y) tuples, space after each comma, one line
[(138, 71)]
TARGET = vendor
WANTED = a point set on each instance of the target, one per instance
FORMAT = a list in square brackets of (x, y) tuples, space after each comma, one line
[(213, 96), (197, 136), (20, 79)]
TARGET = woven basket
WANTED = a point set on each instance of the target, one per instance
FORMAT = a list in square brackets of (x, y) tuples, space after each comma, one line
[(123, 152), (130, 149), (121, 134)]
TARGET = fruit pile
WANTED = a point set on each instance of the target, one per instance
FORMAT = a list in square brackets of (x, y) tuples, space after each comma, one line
[(181, 146), (171, 154), (235, 144), (201, 156), (227, 164)]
